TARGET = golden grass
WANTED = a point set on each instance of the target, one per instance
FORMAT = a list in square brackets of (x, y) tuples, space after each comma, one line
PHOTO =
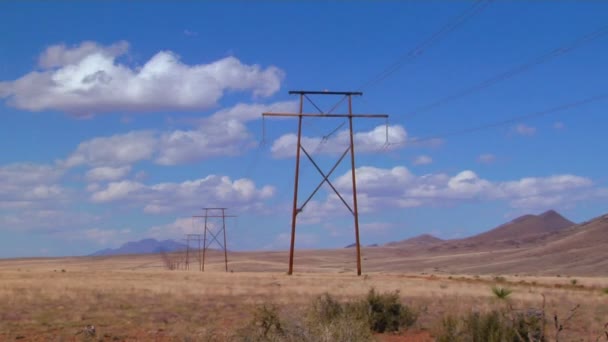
[(134, 298)]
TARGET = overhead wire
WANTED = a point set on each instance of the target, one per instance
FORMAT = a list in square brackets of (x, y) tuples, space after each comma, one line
[(519, 69), (451, 26), (476, 8), (508, 121)]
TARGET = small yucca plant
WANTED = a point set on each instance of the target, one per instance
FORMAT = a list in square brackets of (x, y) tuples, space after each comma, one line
[(501, 292)]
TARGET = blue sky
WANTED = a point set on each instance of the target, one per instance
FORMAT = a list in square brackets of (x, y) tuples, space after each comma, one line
[(121, 120)]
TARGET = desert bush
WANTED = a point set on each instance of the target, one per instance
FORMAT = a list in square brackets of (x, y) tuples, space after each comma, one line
[(493, 326), (605, 290), (325, 308), (500, 279), (501, 292), (326, 320), (385, 313), (329, 320), (266, 325)]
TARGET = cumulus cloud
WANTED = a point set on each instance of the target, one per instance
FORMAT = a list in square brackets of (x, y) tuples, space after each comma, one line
[(253, 111), (106, 173), (223, 133), (398, 187), (522, 129), (114, 151), (176, 197), (87, 79), (178, 228), (46, 219), (423, 160), (227, 138), (24, 185), (370, 141)]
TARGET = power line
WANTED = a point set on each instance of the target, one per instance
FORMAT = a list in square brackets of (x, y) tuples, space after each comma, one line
[(419, 49), (513, 72), (413, 53), (508, 121)]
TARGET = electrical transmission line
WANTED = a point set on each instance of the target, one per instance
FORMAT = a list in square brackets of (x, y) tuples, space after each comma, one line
[(507, 121), (451, 26), (519, 69), (476, 8)]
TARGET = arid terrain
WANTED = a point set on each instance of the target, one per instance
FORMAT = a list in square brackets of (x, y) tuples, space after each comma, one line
[(136, 298)]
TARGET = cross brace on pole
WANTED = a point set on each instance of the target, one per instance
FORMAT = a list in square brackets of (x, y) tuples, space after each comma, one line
[(303, 94), (214, 237)]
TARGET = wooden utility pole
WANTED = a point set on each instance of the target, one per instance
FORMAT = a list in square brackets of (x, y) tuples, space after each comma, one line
[(351, 148)]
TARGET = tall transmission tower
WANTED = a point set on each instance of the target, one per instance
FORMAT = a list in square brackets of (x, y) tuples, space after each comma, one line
[(213, 235), (299, 148)]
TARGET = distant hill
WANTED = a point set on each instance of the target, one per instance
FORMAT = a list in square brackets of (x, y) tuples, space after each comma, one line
[(423, 240), (526, 227), (145, 246), (524, 230), (352, 245)]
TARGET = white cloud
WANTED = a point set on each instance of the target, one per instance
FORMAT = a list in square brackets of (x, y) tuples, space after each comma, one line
[(222, 134), (49, 220), (370, 141), (106, 173), (211, 139), (189, 195), (25, 185), (398, 188), (87, 79), (176, 229), (423, 160), (486, 158), (116, 191), (522, 129), (253, 111), (559, 125), (114, 151)]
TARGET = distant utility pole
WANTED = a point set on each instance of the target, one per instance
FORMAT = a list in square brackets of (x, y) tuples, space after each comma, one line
[(296, 210), (195, 238), (214, 237)]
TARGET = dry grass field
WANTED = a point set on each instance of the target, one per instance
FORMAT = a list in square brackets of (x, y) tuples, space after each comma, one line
[(134, 298)]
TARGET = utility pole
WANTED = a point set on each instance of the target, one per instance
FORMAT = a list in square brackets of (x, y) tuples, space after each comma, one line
[(214, 213), (351, 148), (197, 238)]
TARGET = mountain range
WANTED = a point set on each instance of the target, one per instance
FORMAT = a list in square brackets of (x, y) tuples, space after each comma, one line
[(145, 246)]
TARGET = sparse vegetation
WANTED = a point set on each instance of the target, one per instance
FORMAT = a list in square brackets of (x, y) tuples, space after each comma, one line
[(605, 290), (500, 279), (153, 304), (493, 326), (501, 292), (385, 312)]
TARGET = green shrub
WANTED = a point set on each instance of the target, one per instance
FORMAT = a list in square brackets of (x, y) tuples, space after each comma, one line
[(605, 290), (328, 320), (266, 325), (325, 308), (493, 326), (501, 292), (449, 330), (385, 312)]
